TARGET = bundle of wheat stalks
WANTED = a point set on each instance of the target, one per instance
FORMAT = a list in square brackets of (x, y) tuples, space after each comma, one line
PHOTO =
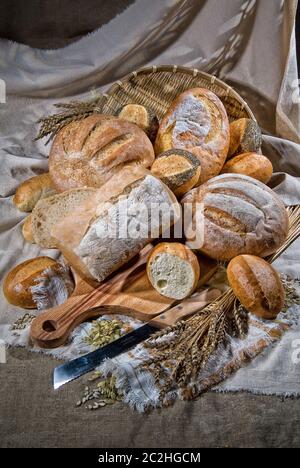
[(186, 347)]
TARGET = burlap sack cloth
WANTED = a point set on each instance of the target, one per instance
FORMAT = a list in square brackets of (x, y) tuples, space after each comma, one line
[(250, 44)]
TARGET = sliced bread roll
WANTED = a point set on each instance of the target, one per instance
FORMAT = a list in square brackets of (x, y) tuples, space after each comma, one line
[(173, 270), (48, 212)]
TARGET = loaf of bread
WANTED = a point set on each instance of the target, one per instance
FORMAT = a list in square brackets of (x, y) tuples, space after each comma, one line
[(19, 281), (27, 230), (49, 211), (88, 152), (197, 122), (178, 169), (111, 227), (173, 270), (245, 137), (238, 215), (32, 190), (250, 164), (257, 285), (142, 117)]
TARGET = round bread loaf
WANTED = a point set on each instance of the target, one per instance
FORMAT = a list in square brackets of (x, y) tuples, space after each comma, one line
[(197, 122), (240, 215), (142, 117), (19, 281), (86, 153), (245, 137), (173, 270), (178, 169), (257, 285), (250, 164)]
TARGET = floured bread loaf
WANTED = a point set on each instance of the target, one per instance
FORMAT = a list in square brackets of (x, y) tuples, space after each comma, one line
[(240, 216), (86, 153), (116, 223), (197, 122)]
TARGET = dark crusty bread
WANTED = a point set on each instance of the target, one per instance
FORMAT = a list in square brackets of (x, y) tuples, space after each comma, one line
[(178, 169), (142, 117), (245, 137), (197, 121), (32, 190), (241, 216), (257, 285), (86, 153), (250, 164), (49, 211)]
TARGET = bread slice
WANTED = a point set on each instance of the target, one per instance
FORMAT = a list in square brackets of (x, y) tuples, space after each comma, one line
[(173, 270), (49, 211)]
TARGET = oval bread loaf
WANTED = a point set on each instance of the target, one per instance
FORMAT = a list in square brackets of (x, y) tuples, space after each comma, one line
[(173, 270), (257, 285), (245, 137), (142, 117), (19, 281), (240, 215), (88, 152), (32, 190), (197, 121), (250, 164), (178, 169)]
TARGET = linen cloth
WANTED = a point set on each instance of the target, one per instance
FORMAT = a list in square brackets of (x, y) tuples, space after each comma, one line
[(250, 44)]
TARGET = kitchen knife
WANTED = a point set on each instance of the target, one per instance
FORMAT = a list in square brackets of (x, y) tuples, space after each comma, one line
[(80, 366)]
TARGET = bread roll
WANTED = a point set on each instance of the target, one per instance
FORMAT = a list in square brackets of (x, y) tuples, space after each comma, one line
[(49, 211), (245, 137), (89, 152), (240, 215), (32, 190), (142, 117), (250, 164), (178, 169), (107, 230), (27, 230), (197, 122), (18, 282), (257, 285), (173, 270)]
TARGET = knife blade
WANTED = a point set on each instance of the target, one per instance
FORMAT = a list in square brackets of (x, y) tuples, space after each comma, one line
[(77, 367)]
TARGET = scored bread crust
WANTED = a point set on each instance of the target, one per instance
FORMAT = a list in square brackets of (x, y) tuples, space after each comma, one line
[(241, 216), (197, 121), (88, 152), (257, 285)]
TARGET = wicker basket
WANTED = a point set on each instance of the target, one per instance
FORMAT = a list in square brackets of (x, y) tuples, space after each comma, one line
[(157, 86)]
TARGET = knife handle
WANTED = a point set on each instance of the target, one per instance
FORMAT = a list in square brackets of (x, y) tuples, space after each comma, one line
[(186, 308)]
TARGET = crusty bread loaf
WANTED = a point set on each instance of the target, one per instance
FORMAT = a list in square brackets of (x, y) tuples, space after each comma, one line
[(142, 117), (32, 190), (114, 225), (20, 279), (197, 122), (49, 211), (245, 137), (178, 169), (240, 215), (27, 229), (257, 285), (173, 270), (250, 164), (89, 152)]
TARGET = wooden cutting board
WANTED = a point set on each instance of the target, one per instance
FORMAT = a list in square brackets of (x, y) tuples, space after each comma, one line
[(128, 292)]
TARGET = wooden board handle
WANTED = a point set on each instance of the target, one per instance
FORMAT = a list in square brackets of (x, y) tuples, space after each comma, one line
[(186, 308)]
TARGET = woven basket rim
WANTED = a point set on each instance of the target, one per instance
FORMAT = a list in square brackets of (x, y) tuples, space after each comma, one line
[(181, 69)]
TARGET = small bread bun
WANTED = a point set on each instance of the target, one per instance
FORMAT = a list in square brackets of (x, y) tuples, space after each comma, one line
[(178, 169), (19, 280), (32, 190), (257, 285), (245, 137), (142, 117), (173, 270), (27, 230), (250, 164)]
